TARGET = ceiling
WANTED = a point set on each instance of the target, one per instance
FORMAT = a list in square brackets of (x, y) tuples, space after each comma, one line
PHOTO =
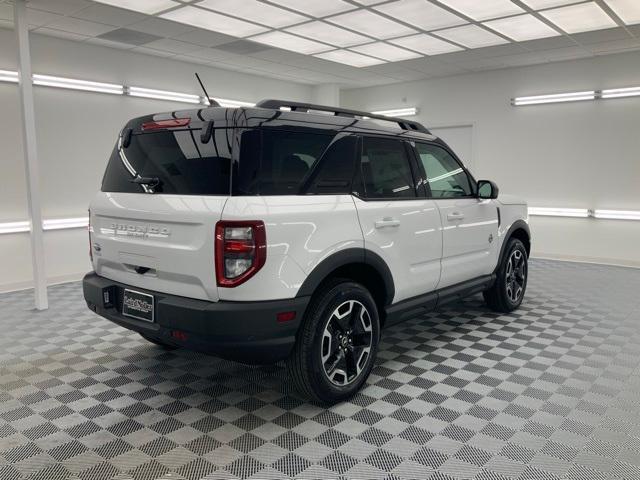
[(353, 43)]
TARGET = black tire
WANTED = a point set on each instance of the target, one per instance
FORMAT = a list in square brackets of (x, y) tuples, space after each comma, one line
[(158, 342), (511, 278), (322, 335)]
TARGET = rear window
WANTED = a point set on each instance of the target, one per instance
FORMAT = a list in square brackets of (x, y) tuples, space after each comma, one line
[(177, 159)]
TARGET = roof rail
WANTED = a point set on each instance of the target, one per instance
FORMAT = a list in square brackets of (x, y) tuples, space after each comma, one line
[(341, 112)]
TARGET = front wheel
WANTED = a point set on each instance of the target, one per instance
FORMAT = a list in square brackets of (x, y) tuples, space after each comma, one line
[(507, 292), (337, 343)]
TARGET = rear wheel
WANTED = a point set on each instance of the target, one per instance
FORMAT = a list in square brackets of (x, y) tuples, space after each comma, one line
[(507, 292), (337, 343), (158, 342)]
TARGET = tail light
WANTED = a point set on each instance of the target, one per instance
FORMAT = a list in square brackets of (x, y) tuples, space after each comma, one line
[(90, 229), (240, 251)]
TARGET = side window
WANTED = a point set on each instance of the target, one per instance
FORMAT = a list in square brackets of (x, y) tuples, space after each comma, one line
[(445, 176), (386, 172), (335, 169)]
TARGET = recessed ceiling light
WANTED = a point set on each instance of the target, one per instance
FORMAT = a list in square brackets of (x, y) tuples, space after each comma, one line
[(349, 58), (386, 52), (627, 10), (144, 6), (328, 33), (290, 42), (213, 21), (540, 4), (426, 44), (421, 14), (485, 9), (583, 17), (316, 9), (255, 11), (372, 24), (522, 28), (471, 36)]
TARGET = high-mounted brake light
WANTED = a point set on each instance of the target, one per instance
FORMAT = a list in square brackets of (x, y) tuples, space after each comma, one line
[(171, 123), (240, 251)]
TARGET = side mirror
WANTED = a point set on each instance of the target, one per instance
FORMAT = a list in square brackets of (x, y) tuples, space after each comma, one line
[(487, 189)]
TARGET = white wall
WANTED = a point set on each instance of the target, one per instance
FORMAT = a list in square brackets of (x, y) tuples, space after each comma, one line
[(583, 154), (77, 130)]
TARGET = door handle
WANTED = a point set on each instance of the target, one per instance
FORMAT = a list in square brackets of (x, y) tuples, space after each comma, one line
[(387, 222), (452, 217)]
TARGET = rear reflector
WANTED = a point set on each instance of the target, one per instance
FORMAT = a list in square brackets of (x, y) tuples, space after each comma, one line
[(171, 123), (285, 316), (178, 335)]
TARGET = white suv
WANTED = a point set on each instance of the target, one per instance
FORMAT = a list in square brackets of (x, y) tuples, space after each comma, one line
[(294, 231)]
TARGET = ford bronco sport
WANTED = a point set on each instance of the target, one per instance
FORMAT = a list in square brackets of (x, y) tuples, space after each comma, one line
[(290, 231)]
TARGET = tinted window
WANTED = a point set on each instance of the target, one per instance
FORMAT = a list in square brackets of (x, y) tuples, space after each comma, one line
[(445, 175), (178, 159), (336, 167), (276, 162), (386, 172)]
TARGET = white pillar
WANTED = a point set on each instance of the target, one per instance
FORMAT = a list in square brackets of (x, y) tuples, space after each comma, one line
[(327, 94), (30, 153)]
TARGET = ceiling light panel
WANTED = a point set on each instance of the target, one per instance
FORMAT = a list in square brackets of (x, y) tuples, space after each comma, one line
[(426, 44), (484, 9), (386, 52), (213, 21), (522, 28), (620, 92), (9, 76), (583, 17), (371, 24), (540, 4), (145, 6), (328, 33), (316, 9), (290, 42), (349, 58), (471, 36), (255, 11), (421, 14), (627, 10)]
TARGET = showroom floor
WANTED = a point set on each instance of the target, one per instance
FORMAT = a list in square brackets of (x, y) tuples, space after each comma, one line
[(551, 391)]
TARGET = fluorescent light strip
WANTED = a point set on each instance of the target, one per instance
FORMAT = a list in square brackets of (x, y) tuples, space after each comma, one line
[(617, 214), (14, 227), (620, 92), (8, 76), (554, 98), (224, 102), (398, 112), (63, 223), (73, 84), (164, 95), (559, 212)]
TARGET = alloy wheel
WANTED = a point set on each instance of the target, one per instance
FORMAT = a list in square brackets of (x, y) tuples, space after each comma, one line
[(516, 275)]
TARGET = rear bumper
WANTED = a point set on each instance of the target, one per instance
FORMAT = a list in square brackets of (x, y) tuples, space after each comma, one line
[(243, 331)]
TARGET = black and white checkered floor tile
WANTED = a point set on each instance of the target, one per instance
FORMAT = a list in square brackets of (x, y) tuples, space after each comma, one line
[(550, 392)]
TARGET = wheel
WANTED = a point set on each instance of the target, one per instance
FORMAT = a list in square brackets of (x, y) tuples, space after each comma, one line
[(337, 342), (507, 292), (158, 342)]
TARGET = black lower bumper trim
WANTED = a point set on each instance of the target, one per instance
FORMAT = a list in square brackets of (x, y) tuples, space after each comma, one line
[(244, 331)]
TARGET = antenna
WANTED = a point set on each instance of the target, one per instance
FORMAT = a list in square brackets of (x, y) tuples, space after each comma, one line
[(206, 95)]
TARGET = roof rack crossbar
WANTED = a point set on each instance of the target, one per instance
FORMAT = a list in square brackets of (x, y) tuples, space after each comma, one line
[(341, 112)]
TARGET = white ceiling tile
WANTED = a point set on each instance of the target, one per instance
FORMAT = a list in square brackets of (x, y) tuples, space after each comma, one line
[(255, 11), (386, 52), (210, 54), (471, 36), (144, 6), (370, 2), (192, 60), (287, 41), (52, 32), (484, 9), (371, 24), (38, 18), (617, 46), (328, 33), (579, 18), (426, 44), (81, 27), (172, 46), (204, 38), (627, 10), (421, 14), (349, 58), (161, 27), (540, 4), (151, 51), (316, 9), (111, 44), (209, 20), (63, 7), (522, 27), (109, 15)]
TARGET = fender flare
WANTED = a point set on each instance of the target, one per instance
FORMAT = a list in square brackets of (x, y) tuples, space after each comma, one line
[(345, 257), (517, 225)]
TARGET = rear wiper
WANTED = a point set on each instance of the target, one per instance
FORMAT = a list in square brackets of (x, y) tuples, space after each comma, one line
[(149, 181)]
